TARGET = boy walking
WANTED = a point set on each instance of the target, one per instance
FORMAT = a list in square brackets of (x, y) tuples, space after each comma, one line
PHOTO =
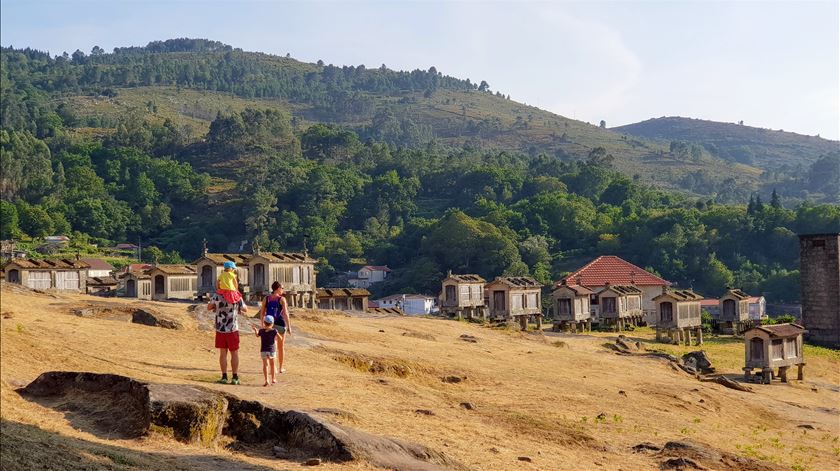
[(268, 347)]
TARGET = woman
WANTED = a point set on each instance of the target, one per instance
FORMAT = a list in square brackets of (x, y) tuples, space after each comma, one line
[(274, 305)]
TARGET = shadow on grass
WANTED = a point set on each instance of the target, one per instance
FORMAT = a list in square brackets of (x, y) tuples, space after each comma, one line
[(26, 447)]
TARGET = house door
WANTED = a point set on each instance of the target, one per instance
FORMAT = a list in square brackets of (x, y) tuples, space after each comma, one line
[(729, 309), (499, 303), (450, 294), (207, 277), (67, 280), (159, 285), (756, 349), (666, 312), (259, 276), (608, 306), (131, 288), (13, 276)]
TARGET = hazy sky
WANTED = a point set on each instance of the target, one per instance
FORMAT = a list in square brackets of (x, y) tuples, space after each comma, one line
[(771, 64)]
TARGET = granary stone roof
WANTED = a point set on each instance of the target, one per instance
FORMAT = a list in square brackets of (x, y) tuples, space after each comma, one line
[(782, 330), (334, 292), (466, 278), (622, 289), (615, 271), (376, 268), (173, 269), (577, 289), (680, 295), (102, 281), (518, 281), (736, 293), (46, 264), (244, 258)]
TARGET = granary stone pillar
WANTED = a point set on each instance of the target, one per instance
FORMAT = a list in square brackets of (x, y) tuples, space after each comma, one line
[(799, 373), (783, 373), (699, 336), (539, 322), (688, 337), (523, 322)]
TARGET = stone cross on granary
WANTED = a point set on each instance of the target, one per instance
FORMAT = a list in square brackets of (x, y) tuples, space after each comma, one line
[(204, 247)]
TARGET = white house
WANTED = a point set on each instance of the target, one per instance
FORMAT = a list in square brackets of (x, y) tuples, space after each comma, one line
[(409, 303), (758, 308), (98, 268), (368, 275)]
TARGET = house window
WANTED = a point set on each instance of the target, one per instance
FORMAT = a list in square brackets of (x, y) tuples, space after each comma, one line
[(777, 349), (791, 348), (531, 300)]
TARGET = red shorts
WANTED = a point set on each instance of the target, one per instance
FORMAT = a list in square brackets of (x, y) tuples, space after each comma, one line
[(228, 340)]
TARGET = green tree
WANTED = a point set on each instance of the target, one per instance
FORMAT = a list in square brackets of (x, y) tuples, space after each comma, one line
[(9, 228)]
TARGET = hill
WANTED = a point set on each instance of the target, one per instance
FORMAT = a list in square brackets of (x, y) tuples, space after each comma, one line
[(564, 401), (764, 148), (190, 81)]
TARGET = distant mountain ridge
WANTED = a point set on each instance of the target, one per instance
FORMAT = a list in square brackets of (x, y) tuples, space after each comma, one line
[(761, 147)]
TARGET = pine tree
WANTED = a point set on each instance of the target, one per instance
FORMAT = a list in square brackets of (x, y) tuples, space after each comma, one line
[(751, 205), (775, 201)]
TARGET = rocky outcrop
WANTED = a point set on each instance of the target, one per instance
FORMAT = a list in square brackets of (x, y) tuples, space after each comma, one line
[(194, 414), (690, 455)]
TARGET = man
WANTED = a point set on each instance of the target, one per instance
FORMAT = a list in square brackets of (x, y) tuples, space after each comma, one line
[(227, 334)]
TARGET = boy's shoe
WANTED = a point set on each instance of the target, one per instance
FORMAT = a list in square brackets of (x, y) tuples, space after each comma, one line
[(222, 381), (234, 381)]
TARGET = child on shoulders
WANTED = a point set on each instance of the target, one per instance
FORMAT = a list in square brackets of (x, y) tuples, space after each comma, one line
[(228, 285)]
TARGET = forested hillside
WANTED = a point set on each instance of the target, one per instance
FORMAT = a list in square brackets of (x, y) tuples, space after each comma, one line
[(190, 139), (797, 166)]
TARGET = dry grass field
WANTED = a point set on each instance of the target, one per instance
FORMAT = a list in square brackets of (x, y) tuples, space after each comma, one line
[(564, 401)]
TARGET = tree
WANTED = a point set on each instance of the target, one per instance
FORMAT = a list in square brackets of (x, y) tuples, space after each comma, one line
[(484, 86), (603, 124), (9, 228), (775, 202)]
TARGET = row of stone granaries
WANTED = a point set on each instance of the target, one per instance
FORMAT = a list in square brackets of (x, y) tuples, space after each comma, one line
[(608, 291)]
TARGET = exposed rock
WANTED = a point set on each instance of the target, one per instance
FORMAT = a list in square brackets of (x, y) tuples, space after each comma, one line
[(190, 414), (123, 407), (453, 379), (312, 462), (601, 416), (280, 452), (468, 405), (381, 331), (468, 338), (139, 316), (526, 459), (622, 393), (699, 361), (424, 412), (724, 381), (691, 455), (646, 446), (806, 426)]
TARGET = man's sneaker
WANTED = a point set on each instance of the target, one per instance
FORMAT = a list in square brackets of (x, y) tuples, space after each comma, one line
[(223, 381), (234, 381)]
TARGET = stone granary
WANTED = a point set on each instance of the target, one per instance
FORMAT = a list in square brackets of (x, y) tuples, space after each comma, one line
[(343, 299), (819, 268), (515, 298), (161, 282), (734, 312), (463, 296), (56, 274), (257, 271), (773, 346), (620, 306), (678, 313), (102, 285), (571, 307)]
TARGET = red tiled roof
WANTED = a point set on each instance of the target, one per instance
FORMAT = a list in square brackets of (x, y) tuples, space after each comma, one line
[(98, 264), (709, 302), (615, 271)]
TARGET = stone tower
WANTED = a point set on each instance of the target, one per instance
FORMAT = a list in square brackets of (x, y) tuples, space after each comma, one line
[(819, 267)]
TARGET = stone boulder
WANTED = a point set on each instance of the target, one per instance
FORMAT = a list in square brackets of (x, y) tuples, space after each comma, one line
[(698, 361)]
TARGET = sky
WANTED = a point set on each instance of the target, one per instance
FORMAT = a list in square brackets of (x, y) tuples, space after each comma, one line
[(772, 64)]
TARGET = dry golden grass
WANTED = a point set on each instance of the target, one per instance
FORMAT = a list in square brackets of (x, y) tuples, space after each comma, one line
[(533, 396)]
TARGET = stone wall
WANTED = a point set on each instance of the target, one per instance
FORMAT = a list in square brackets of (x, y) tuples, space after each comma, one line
[(820, 285)]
